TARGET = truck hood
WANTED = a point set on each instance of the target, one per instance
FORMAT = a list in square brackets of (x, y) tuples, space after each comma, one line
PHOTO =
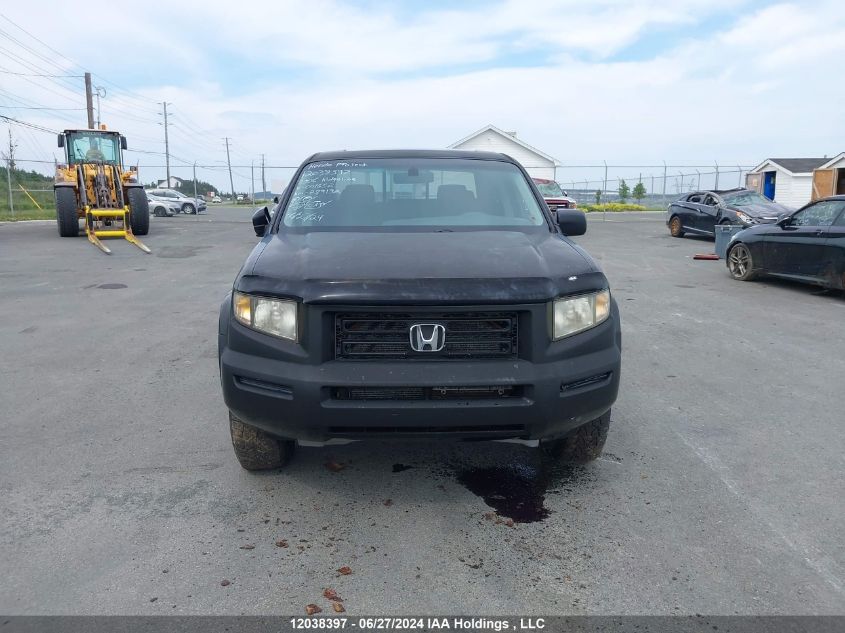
[(460, 267)]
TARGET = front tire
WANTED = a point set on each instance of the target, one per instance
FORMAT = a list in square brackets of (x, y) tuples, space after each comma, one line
[(188, 209), (676, 229), (741, 263), (66, 215), (139, 211), (583, 445), (256, 449), (159, 212)]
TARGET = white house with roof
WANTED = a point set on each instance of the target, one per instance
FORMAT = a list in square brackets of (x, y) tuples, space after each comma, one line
[(790, 181), (173, 183), (491, 139)]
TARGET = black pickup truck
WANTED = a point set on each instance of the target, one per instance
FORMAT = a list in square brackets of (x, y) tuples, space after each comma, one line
[(417, 294)]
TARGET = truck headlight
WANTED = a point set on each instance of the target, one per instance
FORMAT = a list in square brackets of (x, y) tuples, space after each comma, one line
[(570, 315), (276, 317)]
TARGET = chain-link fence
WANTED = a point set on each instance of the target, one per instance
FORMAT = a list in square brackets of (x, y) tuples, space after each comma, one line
[(661, 184), (29, 185)]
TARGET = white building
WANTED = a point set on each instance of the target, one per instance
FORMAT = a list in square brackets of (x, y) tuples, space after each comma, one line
[(829, 178), (788, 181), (173, 183), (491, 139)]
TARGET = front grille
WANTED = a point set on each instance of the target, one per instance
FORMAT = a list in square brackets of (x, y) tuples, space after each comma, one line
[(427, 393), (509, 430), (469, 335)]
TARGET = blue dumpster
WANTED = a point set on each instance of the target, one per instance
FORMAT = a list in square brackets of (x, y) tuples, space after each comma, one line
[(724, 233)]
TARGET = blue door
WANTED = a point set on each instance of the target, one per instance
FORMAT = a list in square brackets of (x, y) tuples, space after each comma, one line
[(769, 184)]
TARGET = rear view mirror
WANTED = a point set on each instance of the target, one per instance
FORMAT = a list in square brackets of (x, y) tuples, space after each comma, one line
[(260, 221), (61, 140), (122, 142), (571, 221)]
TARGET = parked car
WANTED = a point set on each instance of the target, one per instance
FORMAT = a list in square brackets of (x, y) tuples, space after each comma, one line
[(217, 199), (699, 212), (186, 203), (162, 207), (554, 196), (807, 245), (381, 304)]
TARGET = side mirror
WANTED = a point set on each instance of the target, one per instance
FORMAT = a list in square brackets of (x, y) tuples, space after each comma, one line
[(276, 199), (122, 142), (571, 221), (784, 221), (260, 221), (61, 140)]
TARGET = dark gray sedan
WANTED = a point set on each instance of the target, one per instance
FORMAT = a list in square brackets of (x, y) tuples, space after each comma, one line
[(698, 213), (808, 246)]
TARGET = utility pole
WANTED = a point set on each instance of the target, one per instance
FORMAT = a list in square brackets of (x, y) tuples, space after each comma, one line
[(252, 178), (263, 182), (100, 92), (10, 165), (195, 184), (164, 105), (229, 162), (89, 101)]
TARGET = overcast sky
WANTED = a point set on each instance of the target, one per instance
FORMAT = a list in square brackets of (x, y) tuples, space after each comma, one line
[(636, 82)]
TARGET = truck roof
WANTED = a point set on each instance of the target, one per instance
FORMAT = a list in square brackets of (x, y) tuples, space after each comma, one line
[(410, 153)]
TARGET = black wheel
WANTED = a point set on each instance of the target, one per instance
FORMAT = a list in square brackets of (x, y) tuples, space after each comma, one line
[(583, 445), (159, 212), (66, 216), (257, 450), (188, 208), (724, 221), (740, 263), (675, 227), (139, 211)]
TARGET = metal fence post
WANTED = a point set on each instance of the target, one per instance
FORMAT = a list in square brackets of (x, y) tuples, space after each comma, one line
[(664, 182), (716, 186)]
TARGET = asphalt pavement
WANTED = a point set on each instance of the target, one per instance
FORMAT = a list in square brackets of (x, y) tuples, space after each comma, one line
[(720, 490)]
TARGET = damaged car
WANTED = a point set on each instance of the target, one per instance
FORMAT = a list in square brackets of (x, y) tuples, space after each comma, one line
[(698, 213), (409, 294)]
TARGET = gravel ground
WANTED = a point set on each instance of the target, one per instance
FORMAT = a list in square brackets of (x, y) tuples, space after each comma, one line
[(720, 491)]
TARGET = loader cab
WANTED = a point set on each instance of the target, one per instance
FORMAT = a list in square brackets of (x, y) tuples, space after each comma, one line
[(92, 146)]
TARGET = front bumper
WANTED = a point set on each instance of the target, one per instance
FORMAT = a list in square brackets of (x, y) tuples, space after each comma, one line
[(290, 394)]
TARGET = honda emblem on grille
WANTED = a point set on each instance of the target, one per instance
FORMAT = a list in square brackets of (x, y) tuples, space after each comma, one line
[(427, 337)]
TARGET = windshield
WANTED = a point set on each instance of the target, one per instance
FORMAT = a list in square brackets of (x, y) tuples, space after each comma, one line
[(549, 189), (89, 147), (421, 192), (746, 198)]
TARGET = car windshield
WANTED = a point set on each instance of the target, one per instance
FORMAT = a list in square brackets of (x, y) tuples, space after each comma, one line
[(89, 147), (746, 198), (549, 189), (412, 192)]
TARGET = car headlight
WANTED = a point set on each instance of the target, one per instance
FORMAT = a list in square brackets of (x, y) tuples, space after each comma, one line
[(571, 315), (744, 217), (276, 317)]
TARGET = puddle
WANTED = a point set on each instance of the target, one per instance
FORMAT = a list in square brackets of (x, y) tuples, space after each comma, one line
[(398, 468), (517, 491)]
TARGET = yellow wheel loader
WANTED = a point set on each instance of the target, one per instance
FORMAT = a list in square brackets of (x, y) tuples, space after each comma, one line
[(93, 186)]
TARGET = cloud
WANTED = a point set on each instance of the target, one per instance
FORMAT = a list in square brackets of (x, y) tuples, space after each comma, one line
[(288, 79)]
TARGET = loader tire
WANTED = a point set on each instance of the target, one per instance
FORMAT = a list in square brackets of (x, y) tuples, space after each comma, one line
[(139, 211), (66, 216)]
